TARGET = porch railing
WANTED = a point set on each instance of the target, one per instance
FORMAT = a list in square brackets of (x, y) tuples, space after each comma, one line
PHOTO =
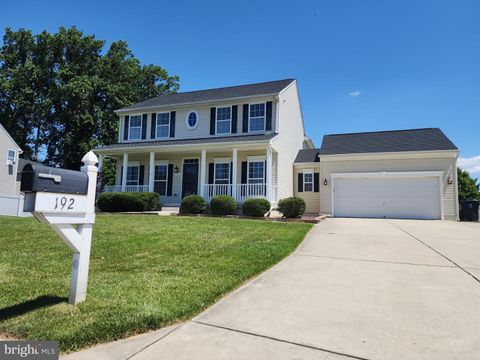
[(243, 191), (128, 188)]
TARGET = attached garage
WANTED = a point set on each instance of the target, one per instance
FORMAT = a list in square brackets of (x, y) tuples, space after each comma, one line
[(404, 174), (415, 195)]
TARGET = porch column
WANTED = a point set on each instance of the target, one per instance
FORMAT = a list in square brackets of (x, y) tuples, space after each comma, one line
[(203, 171), (124, 174), (234, 173), (151, 172), (268, 170)]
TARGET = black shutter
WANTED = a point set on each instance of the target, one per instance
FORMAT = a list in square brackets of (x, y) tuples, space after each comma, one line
[(170, 179), (210, 172), (125, 127), (212, 120), (244, 172), (316, 182), (153, 127), (234, 118), (300, 182), (144, 126), (265, 172), (245, 118), (172, 124), (121, 175), (141, 175), (268, 121), (231, 172)]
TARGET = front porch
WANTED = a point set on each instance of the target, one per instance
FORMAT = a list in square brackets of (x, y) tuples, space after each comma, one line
[(241, 173)]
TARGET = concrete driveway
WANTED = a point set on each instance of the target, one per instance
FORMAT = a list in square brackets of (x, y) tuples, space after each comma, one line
[(355, 288)]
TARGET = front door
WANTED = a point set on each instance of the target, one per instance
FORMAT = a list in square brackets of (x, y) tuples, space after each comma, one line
[(190, 177)]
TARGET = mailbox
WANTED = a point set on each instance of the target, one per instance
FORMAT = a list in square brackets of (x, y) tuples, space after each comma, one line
[(40, 178)]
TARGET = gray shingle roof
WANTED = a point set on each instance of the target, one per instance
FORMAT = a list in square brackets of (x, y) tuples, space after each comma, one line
[(231, 92), (307, 156), (386, 141), (210, 140)]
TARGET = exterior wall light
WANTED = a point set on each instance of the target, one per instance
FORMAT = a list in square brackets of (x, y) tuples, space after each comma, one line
[(450, 180), (175, 170), (325, 182)]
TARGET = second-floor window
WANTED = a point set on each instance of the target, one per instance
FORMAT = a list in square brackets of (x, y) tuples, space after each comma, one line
[(163, 125), (11, 156), (256, 120), (135, 127), (224, 120)]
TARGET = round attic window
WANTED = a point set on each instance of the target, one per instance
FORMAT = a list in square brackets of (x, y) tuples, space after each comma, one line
[(191, 121)]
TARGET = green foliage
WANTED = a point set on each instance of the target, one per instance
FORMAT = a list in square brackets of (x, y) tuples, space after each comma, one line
[(255, 207), (292, 207), (134, 201), (146, 272), (193, 204), (58, 91), (468, 188), (223, 205), (108, 171)]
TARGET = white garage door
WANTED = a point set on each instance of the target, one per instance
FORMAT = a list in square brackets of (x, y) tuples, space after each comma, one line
[(387, 197)]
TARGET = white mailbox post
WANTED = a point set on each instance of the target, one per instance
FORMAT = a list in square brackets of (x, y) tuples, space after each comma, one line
[(65, 199)]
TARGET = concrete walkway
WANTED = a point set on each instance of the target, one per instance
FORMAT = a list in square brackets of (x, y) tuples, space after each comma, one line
[(355, 288)]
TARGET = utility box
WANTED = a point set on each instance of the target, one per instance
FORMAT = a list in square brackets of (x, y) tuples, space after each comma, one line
[(469, 210), (40, 178)]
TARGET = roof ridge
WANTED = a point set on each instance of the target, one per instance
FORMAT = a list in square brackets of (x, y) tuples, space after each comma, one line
[(383, 131)]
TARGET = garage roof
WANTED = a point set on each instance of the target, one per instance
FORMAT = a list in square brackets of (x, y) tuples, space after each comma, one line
[(428, 139), (224, 93)]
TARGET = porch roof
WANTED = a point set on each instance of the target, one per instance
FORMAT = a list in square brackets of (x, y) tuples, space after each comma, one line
[(202, 141)]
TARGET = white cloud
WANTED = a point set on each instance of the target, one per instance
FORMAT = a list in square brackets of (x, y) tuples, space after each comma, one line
[(354, 93), (472, 164)]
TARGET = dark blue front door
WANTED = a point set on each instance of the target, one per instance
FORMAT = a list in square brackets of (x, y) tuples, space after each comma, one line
[(190, 177)]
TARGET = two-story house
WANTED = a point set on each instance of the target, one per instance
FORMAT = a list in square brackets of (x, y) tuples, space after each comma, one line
[(249, 141), (239, 140)]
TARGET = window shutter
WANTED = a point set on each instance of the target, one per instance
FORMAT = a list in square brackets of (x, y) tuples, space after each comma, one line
[(316, 182), (300, 182), (172, 124), (125, 127), (231, 172), (144, 126), (121, 175), (268, 121), (141, 175), (210, 172), (153, 127), (244, 172), (265, 172), (234, 118), (245, 118), (169, 179), (212, 120)]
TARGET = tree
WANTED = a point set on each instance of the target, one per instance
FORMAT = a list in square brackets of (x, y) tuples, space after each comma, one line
[(468, 188), (58, 92)]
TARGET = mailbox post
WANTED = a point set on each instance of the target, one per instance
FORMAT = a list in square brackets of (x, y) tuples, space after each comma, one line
[(65, 200)]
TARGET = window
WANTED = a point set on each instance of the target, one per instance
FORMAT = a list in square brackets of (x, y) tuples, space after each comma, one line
[(11, 156), (192, 120), (308, 181), (222, 173), (256, 120), (256, 172), (135, 127), (160, 179), (163, 125), (224, 120), (133, 175)]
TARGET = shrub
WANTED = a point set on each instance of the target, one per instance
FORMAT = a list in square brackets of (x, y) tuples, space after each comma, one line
[(256, 207), (193, 204), (134, 201), (223, 205), (292, 207)]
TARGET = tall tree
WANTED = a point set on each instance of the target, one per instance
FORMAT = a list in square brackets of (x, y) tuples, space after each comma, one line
[(468, 188), (58, 92)]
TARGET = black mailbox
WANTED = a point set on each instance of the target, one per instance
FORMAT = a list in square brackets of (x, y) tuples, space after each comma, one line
[(40, 178)]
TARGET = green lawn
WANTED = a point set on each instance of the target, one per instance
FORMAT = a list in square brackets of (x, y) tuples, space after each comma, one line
[(145, 272)]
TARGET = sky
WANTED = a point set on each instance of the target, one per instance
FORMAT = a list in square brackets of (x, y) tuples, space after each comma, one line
[(361, 65)]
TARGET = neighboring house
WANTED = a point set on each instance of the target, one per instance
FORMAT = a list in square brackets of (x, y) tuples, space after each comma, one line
[(249, 141), (10, 199), (239, 140), (392, 174)]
